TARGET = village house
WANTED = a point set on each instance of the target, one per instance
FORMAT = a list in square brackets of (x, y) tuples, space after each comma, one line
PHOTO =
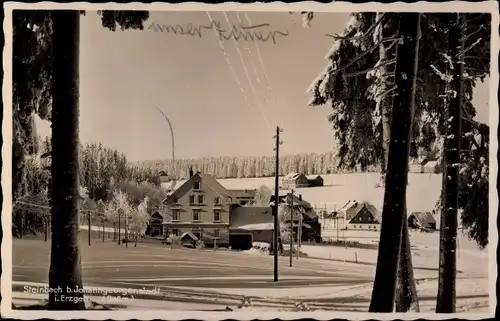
[(242, 196), (311, 227), (294, 180), (421, 220), (201, 206), (155, 226), (359, 216), (314, 180), (250, 224)]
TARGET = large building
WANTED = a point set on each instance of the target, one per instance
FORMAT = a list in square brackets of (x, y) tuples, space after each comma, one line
[(201, 206)]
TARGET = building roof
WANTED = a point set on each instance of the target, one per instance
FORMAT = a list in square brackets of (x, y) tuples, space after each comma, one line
[(243, 217), (162, 173), (431, 164), (309, 211), (207, 179), (424, 218), (242, 192), (189, 234), (313, 177), (292, 176), (352, 208)]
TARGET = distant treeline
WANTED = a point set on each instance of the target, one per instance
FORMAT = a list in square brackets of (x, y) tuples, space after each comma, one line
[(242, 167)]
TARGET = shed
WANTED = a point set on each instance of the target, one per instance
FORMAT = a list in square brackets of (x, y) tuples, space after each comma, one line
[(422, 220), (189, 239), (315, 180)]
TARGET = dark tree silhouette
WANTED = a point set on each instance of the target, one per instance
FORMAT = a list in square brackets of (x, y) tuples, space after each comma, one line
[(393, 214)]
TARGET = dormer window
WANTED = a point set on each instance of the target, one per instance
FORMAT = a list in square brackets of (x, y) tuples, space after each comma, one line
[(197, 186)]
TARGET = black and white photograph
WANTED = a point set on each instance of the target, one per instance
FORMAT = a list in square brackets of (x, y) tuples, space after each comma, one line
[(265, 160)]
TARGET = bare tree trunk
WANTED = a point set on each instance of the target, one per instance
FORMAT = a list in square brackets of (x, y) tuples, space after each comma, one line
[(449, 216), (65, 262), (384, 286)]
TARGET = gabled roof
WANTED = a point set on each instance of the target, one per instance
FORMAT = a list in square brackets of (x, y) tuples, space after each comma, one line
[(162, 173), (309, 211), (313, 177), (424, 217), (352, 208), (431, 164), (292, 176), (208, 180), (242, 216)]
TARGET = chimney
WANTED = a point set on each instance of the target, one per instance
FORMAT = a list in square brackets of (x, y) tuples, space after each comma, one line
[(300, 197), (191, 173)]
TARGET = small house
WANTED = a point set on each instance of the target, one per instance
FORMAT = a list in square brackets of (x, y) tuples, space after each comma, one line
[(418, 220), (311, 226), (360, 216), (432, 167), (188, 239), (294, 180), (314, 180)]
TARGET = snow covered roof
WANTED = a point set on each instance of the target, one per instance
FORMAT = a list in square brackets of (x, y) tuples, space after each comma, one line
[(250, 216), (189, 234), (352, 208), (424, 218), (312, 177), (291, 176), (431, 164)]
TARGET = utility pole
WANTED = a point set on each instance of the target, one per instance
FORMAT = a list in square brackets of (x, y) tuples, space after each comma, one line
[(90, 231), (290, 202), (276, 200), (119, 227), (299, 234)]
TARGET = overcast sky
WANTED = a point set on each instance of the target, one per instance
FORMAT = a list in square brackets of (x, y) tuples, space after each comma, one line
[(125, 76)]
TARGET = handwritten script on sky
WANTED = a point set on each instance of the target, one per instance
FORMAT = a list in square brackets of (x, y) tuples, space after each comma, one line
[(261, 32)]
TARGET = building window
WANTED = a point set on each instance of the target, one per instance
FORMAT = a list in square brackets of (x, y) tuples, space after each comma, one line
[(191, 199), (216, 216), (354, 226), (216, 200), (201, 199), (197, 186), (216, 232), (196, 215), (175, 232), (175, 215)]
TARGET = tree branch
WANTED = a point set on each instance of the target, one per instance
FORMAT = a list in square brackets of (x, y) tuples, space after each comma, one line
[(356, 59), (357, 73), (365, 35), (469, 48)]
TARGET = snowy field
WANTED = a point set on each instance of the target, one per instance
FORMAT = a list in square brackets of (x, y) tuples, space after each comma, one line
[(423, 190)]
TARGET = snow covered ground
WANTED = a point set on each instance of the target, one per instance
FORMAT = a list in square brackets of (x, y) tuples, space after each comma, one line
[(423, 189)]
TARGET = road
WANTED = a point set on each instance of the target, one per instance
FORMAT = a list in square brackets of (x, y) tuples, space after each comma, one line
[(207, 276), (109, 264)]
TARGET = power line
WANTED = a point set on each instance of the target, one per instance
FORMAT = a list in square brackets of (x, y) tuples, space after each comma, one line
[(259, 55), (254, 67), (246, 73), (227, 60)]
